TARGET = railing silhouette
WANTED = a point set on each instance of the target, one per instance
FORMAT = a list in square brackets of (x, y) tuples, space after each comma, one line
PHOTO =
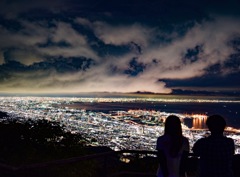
[(104, 170)]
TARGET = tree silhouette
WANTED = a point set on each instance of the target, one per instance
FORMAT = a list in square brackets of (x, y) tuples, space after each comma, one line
[(34, 141)]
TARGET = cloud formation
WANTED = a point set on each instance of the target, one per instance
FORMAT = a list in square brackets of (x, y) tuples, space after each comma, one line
[(214, 36), (123, 35), (1, 58), (158, 54), (12, 9)]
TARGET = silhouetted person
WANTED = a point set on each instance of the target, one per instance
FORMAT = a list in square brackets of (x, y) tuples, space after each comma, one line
[(216, 151), (172, 149)]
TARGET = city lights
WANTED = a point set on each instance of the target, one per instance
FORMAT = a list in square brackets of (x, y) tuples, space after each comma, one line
[(135, 129)]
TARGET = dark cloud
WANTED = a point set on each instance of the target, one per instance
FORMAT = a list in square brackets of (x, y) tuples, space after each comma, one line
[(134, 68), (211, 82), (191, 54), (14, 8)]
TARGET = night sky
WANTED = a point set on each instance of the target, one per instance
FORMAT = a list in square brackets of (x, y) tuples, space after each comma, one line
[(71, 46)]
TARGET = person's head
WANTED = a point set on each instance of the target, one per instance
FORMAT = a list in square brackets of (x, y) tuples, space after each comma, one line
[(216, 124), (173, 126)]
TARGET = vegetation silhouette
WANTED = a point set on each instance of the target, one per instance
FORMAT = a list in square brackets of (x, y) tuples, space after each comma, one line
[(40, 141)]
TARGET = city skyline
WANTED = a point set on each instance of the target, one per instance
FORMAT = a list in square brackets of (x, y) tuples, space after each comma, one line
[(70, 46)]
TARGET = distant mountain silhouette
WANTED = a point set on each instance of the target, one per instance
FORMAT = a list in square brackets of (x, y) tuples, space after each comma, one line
[(207, 93)]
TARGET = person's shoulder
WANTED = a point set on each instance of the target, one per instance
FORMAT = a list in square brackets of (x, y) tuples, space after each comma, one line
[(185, 138), (165, 136), (185, 144), (199, 145), (161, 142), (202, 140), (229, 140), (160, 138)]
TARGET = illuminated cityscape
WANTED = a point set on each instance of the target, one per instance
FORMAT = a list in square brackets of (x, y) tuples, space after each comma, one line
[(135, 129)]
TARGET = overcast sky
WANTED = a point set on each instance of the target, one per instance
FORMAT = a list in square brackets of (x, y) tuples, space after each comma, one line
[(69, 46)]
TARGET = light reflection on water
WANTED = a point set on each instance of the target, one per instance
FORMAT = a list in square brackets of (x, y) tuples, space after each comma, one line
[(197, 121)]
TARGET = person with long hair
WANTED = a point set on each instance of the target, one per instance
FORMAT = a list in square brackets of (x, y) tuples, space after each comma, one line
[(172, 149)]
